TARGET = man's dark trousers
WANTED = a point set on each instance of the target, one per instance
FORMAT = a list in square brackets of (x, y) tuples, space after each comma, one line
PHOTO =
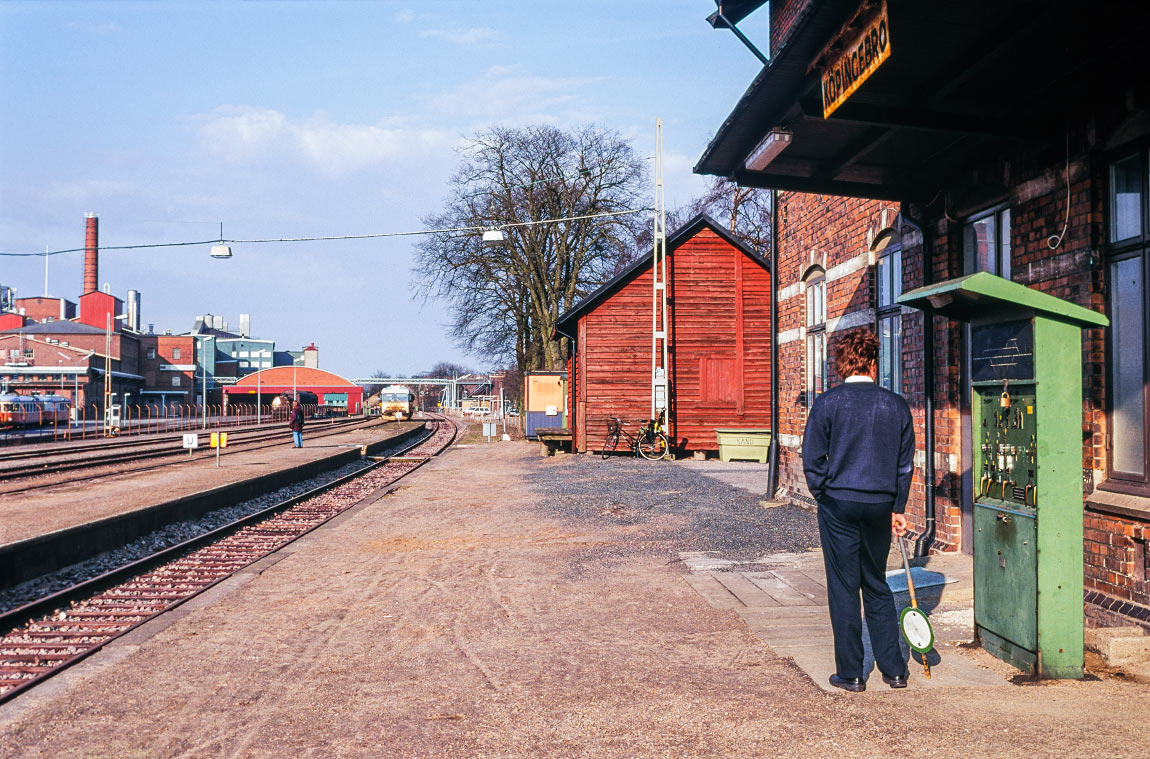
[(856, 541)]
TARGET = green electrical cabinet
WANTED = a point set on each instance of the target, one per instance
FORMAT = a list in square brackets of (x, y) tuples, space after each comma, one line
[(1026, 427)]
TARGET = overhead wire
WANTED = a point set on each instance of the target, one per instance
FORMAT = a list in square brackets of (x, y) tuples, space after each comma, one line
[(323, 238)]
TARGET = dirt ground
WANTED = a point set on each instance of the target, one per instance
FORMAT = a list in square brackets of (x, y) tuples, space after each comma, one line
[(470, 614)]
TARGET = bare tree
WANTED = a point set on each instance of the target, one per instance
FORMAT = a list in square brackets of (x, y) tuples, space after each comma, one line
[(745, 210), (375, 387), (445, 370), (548, 190)]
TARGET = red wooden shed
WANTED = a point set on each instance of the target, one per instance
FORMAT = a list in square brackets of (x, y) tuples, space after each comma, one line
[(719, 293)]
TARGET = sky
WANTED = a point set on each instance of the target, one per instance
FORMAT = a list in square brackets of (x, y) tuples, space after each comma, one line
[(302, 119)]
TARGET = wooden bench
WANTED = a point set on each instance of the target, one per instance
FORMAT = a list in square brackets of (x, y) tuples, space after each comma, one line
[(552, 439)]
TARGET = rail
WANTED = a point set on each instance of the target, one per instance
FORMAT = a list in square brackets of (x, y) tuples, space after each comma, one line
[(72, 624)]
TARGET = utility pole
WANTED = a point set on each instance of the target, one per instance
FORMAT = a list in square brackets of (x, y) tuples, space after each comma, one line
[(660, 384)]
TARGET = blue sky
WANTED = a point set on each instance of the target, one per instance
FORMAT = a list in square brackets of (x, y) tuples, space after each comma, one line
[(315, 118)]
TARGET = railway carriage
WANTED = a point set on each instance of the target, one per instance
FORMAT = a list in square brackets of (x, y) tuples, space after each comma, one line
[(397, 401), (306, 398), (32, 410)]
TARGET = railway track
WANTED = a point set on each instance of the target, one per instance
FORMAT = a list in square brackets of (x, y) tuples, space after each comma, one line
[(11, 476), (42, 638)]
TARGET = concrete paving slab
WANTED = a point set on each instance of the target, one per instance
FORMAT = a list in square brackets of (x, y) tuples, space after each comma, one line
[(798, 627), (703, 562), (747, 592)]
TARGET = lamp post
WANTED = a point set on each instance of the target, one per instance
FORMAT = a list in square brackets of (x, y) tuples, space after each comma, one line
[(108, 372), (203, 361)]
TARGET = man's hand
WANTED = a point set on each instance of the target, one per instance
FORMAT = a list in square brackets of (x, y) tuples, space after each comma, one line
[(898, 524)]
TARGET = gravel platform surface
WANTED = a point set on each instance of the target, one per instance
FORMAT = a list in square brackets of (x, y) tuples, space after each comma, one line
[(679, 508), (478, 611)]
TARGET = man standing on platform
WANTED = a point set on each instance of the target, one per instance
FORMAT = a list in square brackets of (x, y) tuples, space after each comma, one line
[(295, 424), (858, 454)]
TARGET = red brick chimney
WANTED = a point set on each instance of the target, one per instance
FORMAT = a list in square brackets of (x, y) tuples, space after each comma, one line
[(91, 254)]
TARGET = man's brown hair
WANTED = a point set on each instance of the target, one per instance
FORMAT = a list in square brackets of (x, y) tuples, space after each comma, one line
[(856, 353)]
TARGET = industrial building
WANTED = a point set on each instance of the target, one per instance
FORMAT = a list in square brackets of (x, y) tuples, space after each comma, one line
[(54, 345)]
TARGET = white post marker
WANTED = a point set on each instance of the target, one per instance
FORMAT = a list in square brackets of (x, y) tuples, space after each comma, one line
[(191, 442)]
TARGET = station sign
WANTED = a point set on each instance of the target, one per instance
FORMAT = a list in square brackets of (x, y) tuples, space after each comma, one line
[(861, 57)]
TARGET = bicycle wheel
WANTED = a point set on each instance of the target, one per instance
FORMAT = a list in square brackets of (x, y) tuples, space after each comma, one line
[(654, 447), (609, 444)]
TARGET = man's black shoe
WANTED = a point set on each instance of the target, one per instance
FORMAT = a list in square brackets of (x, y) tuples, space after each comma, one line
[(898, 681), (853, 684)]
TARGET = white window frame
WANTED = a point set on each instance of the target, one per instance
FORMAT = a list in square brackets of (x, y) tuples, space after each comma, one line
[(888, 312), (815, 306), (999, 255)]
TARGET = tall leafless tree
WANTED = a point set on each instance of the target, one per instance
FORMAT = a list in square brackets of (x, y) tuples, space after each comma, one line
[(745, 210), (547, 189)]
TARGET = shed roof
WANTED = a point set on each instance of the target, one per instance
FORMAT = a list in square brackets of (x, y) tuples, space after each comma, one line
[(299, 376), (56, 328), (566, 324)]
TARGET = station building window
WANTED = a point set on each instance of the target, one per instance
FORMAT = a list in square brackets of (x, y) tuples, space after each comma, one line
[(151, 353), (1128, 249), (888, 313), (175, 353), (986, 242), (816, 306), (176, 380)]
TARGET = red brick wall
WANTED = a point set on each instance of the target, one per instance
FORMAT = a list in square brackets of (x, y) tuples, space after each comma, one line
[(40, 309), (784, 13), (1115, 550)]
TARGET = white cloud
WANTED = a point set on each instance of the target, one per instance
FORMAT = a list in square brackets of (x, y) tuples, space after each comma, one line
[(247, 134), (405, 16), (473, 36), (508, 94)]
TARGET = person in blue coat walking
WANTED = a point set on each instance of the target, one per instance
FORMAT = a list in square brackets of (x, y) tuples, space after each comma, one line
[(858, 457)]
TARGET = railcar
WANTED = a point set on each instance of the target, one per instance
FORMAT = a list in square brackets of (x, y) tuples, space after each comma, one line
[(33, 410), (306, 398), (397, 401)]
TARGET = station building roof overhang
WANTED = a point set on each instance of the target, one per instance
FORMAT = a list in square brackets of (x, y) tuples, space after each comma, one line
[(963, 81)]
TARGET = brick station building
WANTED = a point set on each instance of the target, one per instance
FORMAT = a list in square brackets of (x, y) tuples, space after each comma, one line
[(1009, 137)]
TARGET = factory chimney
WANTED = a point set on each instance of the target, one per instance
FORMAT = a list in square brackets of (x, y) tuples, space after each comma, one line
[(91, 253)]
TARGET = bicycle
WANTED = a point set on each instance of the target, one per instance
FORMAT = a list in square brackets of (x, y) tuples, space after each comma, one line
[(651, 443)]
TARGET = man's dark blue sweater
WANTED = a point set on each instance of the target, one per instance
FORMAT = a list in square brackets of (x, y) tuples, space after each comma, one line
[(859, 445)]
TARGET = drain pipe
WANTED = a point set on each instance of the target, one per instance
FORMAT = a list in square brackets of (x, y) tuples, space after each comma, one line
[(773, 449), (923, 543)]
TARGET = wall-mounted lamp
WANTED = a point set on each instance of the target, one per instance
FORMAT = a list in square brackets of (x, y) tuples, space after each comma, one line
[(774, 143)]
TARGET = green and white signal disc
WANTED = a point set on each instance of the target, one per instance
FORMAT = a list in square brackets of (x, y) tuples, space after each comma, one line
[(916, 629)]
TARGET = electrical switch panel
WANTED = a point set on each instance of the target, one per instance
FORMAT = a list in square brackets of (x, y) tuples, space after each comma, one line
[(1007, 446)]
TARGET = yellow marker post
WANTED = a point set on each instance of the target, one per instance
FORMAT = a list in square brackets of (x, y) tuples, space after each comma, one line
[(219, 440)]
